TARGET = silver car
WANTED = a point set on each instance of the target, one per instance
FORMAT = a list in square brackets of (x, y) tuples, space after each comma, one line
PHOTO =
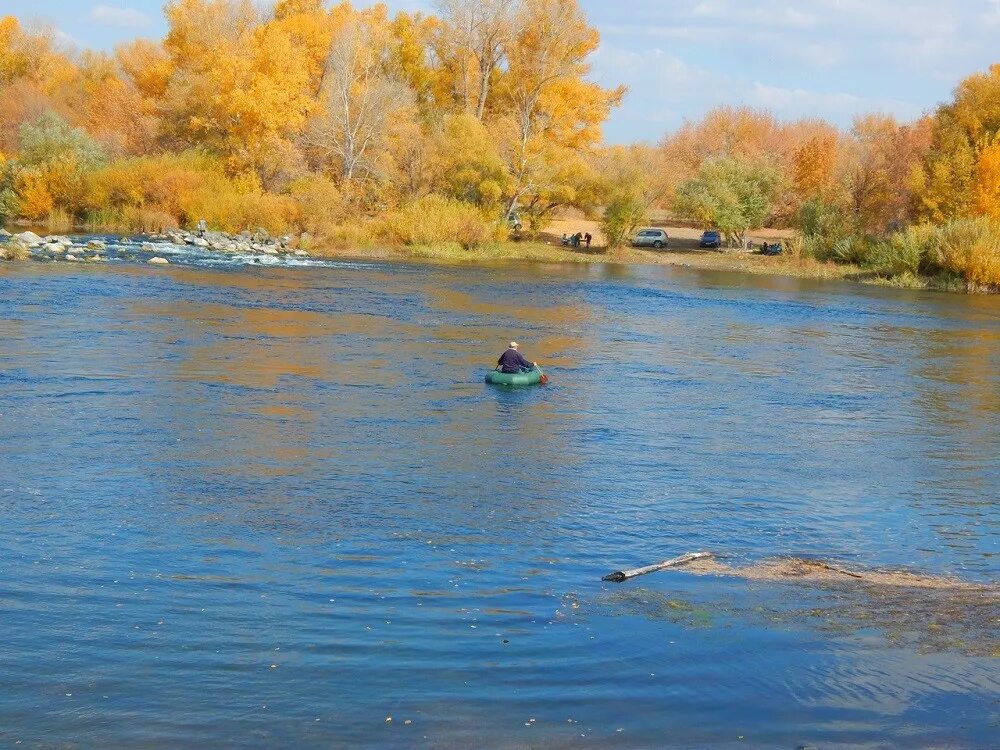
[(650, 238)]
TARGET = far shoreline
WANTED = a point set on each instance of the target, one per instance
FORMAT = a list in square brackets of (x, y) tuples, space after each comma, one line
[(539, 251)]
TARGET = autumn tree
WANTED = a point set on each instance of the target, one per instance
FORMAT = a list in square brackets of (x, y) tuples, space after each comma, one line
[(551, 112), (963, 133), (466, 163), (412, 39), (986, 186), (240, 85), (477, 36), (35, 77), (814, 166), (362, 97), (14, 62), (53, 158)]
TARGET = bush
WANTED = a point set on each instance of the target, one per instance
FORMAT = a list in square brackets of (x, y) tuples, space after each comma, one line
[(15, 250), (435, 219), (232, 210), (159, 192), (50, 139), (852, 249), (966, 248), (322, 206), (906, 253), (10, 206), (969, 248)]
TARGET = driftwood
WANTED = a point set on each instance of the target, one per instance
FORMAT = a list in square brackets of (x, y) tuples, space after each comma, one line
[(841, 570), (624, 575)]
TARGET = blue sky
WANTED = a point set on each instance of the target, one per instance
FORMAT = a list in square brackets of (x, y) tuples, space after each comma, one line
[(827, 58)]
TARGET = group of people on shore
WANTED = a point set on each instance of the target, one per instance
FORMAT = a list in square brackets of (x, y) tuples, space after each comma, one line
[(578, 239)]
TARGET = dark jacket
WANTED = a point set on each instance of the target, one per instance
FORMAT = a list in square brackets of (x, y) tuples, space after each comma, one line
[(512, 361)]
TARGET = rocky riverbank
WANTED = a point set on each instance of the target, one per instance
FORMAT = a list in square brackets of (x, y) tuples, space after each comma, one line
[(249, 245)]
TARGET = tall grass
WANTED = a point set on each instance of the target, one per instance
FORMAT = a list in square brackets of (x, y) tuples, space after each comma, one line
[(434, 219), (968, 249), (129, 219)]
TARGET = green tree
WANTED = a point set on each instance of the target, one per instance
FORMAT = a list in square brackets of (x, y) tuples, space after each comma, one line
[(50, 139), (731, 194), (622, 216)]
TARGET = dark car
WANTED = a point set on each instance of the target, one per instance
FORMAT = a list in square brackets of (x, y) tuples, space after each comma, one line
[(711, 238)]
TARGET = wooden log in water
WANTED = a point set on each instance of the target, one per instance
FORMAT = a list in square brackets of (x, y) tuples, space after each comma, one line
[(624, 575)]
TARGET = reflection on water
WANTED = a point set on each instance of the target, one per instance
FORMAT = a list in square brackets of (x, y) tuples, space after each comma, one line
[(276, 506)]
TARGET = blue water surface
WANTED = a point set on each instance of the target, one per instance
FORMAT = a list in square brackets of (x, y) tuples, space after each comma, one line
[(277, 506)]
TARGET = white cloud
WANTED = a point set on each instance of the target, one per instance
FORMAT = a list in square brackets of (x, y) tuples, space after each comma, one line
[(794, 101), (123, 17), (839, 106)]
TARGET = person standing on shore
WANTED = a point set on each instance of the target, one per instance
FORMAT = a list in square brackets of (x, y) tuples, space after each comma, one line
[(202, 227)]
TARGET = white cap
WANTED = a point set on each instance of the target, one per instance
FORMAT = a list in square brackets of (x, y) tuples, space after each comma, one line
[(513, 345)]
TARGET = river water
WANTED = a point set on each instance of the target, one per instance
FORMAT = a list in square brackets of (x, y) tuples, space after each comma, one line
[(278, 506)]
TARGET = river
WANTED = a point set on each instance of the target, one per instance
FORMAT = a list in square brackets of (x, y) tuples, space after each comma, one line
[(278, 506)]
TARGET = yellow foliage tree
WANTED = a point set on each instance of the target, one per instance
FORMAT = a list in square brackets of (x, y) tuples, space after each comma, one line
[(986, 187), (466, 163), (976, 107), (240, 86), (36, 199), (814, 164), (146, 66), (550, 111), (13, 62)]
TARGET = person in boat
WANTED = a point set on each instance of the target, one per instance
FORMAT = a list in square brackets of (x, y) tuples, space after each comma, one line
[(513, 362)]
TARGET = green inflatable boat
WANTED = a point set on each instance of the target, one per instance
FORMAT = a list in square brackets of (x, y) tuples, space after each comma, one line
[(531, 377)]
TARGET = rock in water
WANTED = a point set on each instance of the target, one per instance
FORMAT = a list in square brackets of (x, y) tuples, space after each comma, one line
[(4, 233), (29, 238), (147, 247), (96, 245), (158, 261)]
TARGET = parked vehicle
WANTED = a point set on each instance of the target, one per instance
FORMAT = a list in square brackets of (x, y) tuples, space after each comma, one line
[(711, 238), (650, 238)]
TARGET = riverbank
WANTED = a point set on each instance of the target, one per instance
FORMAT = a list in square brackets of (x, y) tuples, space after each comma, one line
[(801, 267), (258, 246), (541, 252)]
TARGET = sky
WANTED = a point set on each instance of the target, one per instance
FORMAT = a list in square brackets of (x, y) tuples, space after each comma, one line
[(833, 59)]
